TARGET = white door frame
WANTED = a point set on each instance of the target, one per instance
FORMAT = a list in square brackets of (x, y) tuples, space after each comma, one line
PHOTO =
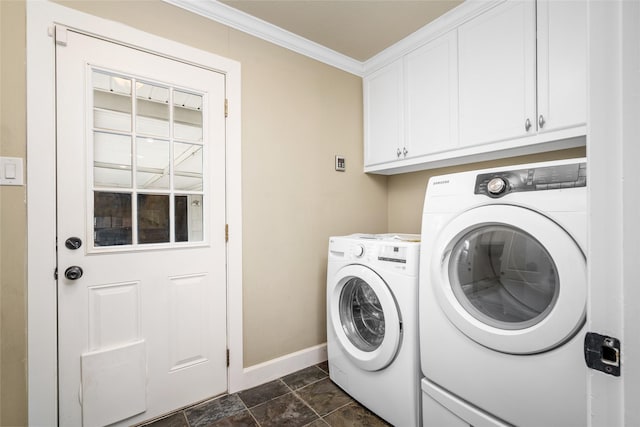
[(613, 153), (41, 190)]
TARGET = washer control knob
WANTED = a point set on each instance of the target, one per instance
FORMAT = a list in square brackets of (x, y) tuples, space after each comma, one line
[(358, 250), (496, 186)]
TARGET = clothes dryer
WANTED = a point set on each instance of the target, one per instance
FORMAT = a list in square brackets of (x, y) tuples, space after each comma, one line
[(372, 323), (503, 292)]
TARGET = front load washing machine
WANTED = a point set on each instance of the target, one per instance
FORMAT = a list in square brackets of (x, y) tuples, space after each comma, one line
[(372, 323), (503, 292)]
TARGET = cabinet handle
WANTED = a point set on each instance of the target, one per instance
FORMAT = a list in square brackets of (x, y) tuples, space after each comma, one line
[(405, 151), (398, 152), (527, 125), (541, 121)]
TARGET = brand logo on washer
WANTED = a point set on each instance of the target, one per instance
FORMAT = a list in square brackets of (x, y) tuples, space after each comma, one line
[(444, 181)]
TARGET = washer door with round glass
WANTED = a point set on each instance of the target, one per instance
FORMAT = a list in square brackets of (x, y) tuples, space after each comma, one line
[(365, 317), (510, 278)]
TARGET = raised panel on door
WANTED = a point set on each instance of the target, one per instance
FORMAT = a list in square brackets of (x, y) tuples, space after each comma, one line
[(431, 79), (497, 74), (383, 114), (141, 184), (562, 64)]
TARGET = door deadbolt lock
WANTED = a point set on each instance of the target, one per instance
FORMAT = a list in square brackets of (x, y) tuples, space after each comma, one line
[(73, 273), (73, 243)]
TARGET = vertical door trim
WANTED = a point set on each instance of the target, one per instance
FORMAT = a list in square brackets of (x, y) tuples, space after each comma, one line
[(41, 194), (612, 152)]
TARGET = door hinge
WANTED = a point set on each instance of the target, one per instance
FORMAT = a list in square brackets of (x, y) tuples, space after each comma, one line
[(228, 358), (55, 274), (602, 353), (226, 107), (226, 232)]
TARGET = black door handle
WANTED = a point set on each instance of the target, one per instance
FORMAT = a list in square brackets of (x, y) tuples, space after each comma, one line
[(73, 273)]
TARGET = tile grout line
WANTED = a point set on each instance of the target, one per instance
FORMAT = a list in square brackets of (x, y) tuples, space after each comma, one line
[(285, 384), (249, 411), (307, 405), (321, 417), (313, 382), (291, 391), (270, 400), (295, 393), (184, 415), (343, 406)]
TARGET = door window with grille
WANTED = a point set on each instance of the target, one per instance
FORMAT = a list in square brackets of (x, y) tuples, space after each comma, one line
[(148, 162)]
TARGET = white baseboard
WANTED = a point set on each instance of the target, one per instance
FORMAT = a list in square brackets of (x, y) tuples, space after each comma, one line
[(279, 367)]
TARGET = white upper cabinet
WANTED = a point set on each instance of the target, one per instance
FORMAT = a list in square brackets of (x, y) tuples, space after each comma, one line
[(431, 86), (497, 74), (383, 124), (494, 79), (562, 64), (411, 104)]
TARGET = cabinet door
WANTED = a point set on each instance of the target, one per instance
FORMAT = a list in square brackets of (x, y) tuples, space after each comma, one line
[(431, 78), (497, 74), (562, 64), (383, 114)]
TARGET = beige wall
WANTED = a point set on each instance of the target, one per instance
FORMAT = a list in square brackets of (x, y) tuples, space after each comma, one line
[(13, 399), (406, 191), (300, 115)]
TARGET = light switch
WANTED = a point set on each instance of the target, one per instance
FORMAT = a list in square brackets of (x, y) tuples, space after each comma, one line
[(11, 171)]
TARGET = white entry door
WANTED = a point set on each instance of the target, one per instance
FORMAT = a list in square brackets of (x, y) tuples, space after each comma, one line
[(141, 240)]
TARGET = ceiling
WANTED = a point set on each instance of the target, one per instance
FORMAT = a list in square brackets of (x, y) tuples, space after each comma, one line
[(359, 29)]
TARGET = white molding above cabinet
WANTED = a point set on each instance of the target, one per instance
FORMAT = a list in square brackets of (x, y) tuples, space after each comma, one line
[(509, 81)]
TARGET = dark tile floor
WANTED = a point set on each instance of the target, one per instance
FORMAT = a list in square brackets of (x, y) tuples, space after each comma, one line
[(304, 398)]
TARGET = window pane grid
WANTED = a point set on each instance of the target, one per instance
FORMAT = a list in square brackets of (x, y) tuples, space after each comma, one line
[(166, 190)]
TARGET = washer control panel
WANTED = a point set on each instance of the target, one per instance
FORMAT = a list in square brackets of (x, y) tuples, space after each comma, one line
[(393, 254), (497, 184)]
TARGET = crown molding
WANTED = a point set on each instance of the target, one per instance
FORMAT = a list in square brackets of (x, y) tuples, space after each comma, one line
[(246, 23)]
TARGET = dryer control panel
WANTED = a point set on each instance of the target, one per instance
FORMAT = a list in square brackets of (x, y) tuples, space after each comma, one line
[(498, 184)]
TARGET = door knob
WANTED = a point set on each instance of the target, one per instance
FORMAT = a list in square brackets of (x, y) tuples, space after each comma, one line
[(73, 273)]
